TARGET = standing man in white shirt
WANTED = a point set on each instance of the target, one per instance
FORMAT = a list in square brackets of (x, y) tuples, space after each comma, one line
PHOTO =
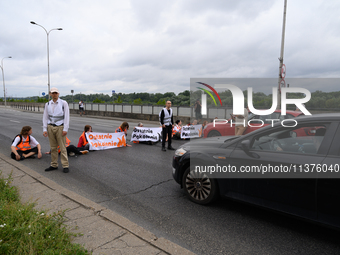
[(56, 121)]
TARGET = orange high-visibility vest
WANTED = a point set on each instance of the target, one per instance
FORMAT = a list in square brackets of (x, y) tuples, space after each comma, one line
[(24, 146), (83, 136), (119, 130), (68, 142)]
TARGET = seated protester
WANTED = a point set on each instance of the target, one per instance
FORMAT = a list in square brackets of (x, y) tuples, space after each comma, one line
[(176, 131), (124, 127), (83, 144), (71, 149), (24, 145)]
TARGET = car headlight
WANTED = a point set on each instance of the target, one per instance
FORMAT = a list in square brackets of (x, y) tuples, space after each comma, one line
[(180, 152)]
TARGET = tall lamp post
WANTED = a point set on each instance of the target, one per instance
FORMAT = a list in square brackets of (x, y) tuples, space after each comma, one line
[(3, 77), (48, 54), (281, 55)]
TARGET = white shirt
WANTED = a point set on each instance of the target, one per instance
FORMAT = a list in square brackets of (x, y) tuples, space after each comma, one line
[(33, 141), (56, 109), (177, 128)]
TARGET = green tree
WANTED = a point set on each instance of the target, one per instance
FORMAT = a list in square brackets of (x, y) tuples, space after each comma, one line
[(161, 102), (118, 100), (137, 101)]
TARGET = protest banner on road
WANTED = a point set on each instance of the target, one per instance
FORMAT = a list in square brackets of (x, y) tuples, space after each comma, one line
[(191, 131), (104, 141), (142, 134)]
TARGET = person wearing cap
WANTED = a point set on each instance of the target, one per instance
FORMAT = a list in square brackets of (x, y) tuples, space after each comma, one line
[(56, 121)]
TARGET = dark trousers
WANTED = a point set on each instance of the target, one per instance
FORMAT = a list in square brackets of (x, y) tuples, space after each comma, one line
[(72, 148), (166, 131), (35, 149)]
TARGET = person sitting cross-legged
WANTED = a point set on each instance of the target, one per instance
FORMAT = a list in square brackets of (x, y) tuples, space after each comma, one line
[(24, 145)]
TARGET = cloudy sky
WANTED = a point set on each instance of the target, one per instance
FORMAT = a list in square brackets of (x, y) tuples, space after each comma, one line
[(157, 46)]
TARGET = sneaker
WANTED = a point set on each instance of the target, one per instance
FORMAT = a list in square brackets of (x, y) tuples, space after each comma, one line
[(51, 168), (85, 152), (66, 170), (171, 148), (163, 149), (72, 154)]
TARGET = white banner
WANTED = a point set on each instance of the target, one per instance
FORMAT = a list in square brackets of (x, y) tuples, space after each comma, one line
[(191, 131), (146, 134), (104, 141)]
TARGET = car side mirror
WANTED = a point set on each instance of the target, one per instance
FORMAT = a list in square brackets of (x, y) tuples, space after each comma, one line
[(245, 145)]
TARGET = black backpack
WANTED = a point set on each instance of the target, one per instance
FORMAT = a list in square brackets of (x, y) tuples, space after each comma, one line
[(29, 139)]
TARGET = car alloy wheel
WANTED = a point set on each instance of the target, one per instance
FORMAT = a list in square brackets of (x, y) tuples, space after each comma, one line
[(199, 187)]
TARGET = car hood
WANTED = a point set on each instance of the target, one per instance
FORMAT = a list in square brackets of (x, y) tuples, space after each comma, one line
[(213, 142)]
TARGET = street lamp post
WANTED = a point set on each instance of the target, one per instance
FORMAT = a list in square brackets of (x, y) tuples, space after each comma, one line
[(3, 78), (48, 55), (281, 55)]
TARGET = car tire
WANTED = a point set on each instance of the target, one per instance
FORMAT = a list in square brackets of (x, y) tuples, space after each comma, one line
[(199, 187), (214, 133)]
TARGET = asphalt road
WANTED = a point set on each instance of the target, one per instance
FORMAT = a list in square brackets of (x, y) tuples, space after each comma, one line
[(136, 182)]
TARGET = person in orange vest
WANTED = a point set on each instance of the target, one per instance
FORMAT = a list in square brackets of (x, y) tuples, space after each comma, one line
[(124, 127), (83, 144), (71, 149), (176, 131), (24, 145)]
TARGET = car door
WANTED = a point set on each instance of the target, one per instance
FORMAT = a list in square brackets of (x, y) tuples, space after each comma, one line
[(292, 192), (328, 186)]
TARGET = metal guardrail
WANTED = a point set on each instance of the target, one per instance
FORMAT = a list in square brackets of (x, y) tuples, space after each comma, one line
[(178, 111)]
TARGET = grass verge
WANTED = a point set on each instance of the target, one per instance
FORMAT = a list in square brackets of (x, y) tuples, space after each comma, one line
[(25, 230)]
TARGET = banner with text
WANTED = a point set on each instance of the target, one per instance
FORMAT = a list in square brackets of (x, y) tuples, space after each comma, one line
[(104, 141), (146, 134), (191, 131)]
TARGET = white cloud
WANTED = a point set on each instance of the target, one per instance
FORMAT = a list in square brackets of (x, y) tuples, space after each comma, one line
[(157, 46)]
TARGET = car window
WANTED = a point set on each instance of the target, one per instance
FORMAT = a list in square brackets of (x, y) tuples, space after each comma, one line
[(305, 139), (287, 116)]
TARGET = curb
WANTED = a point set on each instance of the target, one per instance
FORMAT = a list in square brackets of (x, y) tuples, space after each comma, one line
[(160, 243)]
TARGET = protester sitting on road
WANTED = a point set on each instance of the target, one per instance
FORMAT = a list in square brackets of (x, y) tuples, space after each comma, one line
[(71, 149), (83, 144), (24, 145), (124, 127), (176, 131)]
